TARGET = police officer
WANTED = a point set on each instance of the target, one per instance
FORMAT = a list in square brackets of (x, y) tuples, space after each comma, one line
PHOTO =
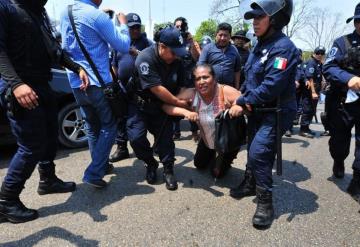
[(241, 42), (27, 50), (300, 86), (313, 74), (270, 75), (189, 62), (124, 65), (342, 70), (160, 75)]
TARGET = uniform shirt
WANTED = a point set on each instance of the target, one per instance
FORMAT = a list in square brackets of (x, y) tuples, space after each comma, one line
[(153, 71), (225, 63), (300, 73), (244, 55), (313, 71), (270, 73), (332, 69), (125, 62), (96, 31), (189, 64)]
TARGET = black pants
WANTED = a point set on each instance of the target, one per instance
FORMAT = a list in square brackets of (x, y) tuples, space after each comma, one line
[(342, 118), (218, 163)]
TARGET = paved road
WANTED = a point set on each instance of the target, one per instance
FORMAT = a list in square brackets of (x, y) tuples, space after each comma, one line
[(312, 209)]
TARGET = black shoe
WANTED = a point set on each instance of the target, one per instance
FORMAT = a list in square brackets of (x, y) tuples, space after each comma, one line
[(296, 121), (307, 133), (151, 176), (325, 133), (264, 214), (354, 187), (169, 178), (288, 133), (49, 183), (109, 169), (99, 183), (121, 153), (338, 169), (246, 188), (13, 210)]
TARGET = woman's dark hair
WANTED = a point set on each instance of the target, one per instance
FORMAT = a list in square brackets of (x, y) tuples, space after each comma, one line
[(184, 23), (206, 66), (224, 27)]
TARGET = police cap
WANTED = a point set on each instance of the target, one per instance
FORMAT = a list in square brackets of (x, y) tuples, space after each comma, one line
[(133, 20), (172, 38)]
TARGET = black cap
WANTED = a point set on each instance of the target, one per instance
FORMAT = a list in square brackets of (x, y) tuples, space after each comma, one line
[(356, 14), (320, 50), (241, 35), (171, 37), (133, 19)]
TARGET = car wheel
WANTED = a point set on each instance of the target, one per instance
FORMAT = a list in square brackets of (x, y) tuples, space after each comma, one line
[(72, 132)]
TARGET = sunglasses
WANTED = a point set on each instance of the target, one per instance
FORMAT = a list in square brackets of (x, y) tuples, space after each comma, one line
[(320, 53)]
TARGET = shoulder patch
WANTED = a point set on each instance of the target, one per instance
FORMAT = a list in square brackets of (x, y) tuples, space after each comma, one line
[(280, 63), (333, 52), (144, 68), (311, 70)]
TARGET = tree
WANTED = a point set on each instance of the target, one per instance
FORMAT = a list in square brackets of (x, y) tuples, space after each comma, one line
[(207, 27), (323, 28), (300, 17), (158, 26)]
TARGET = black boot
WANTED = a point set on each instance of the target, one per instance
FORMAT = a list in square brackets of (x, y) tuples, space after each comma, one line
[(170, 181), (120, 153), (50, 183), (264, 214), (246, 187), (151, 167), (338, 169), (354, 186), (12, 209)]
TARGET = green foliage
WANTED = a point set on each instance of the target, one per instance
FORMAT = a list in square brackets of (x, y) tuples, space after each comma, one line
[(306, 55), (207, 27), (157, 26), (238, 27)]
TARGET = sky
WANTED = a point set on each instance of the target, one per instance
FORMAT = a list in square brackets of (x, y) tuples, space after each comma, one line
[(195, 11)]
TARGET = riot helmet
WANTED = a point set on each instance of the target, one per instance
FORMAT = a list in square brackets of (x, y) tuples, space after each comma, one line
[(204, 41)]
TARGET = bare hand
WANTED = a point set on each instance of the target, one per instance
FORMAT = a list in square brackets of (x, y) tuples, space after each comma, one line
[(314, 95), (183, 103), (236, 111), (84, 80), (307, 84), (192, 116), (121, 18), (26, 96), (297, 84), (354, 83), (133, 51)]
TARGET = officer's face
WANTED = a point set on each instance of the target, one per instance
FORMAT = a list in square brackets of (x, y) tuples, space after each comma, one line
[(222, 38), (135, 32), (204, 82), (166, 54), (261, 25)]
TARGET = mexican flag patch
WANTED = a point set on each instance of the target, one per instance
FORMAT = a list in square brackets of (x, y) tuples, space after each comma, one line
[(280, 63)]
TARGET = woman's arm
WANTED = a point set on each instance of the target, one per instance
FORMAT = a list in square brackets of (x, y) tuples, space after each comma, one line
[(188, 95), (231, 94)]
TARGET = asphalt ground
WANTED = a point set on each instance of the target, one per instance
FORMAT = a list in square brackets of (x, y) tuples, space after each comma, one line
[(311, 207)]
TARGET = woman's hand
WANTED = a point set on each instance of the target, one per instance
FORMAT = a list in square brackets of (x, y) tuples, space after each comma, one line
[(192, 116), (236, 111)]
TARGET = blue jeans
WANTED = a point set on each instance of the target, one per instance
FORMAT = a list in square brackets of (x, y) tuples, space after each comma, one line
[(101, 129)]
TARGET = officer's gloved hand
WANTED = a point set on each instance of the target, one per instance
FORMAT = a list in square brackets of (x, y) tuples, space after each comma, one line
[(354, 83)]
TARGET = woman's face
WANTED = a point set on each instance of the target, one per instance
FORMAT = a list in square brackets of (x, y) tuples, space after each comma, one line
[(261, 25), (204, 81)]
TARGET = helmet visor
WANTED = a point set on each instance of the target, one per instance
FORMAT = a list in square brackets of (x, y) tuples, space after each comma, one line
[(268, 7)]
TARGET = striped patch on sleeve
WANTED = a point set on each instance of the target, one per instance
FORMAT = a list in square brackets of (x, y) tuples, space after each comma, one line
[(280, 63)]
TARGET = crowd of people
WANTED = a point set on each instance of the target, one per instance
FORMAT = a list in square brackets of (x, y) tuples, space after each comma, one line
[(162, 81)]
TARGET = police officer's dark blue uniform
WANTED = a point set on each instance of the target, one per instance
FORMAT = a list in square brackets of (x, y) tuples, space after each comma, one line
[(270, 75), (205, 40), (160, 75), (25, 67), (342, 70), (313, 74), (125, 65)]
